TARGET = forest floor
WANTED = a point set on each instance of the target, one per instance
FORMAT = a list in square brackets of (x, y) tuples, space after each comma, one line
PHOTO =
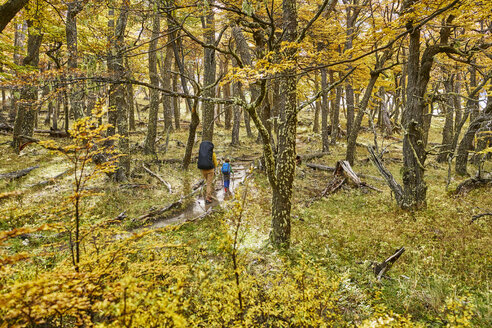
[(445, 269)]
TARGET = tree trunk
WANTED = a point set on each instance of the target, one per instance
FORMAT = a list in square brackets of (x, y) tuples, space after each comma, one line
[(8, 10), (166, 77), (354, 131), (475, 110), (457, 104), (26, 112), (117, 93), (414, 187), (227, 107), (317, 105), (324, 112), (398, 101), (19, 46), (384, 113), (175, 100), (149, 144), (247, 124), (335, 110), (209, 70), (73, 8), (130, 94), (285, 160), (195, 120), (352, 14), (466, 143), (237, 92), (447, 132)]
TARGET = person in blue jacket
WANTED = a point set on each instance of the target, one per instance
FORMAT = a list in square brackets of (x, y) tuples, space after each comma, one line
[(226, 174)]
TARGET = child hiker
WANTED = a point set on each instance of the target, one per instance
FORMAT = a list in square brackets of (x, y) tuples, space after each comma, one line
[(226, 174)]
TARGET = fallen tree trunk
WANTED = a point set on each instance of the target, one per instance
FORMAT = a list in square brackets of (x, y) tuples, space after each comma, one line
[(388, 177), (320, 167), (308, 157), (471, 184), (478, 216), (17, 174), (342, 173), (50, 180), (160, 211), (54, 133), (167, 184), (381, 269)]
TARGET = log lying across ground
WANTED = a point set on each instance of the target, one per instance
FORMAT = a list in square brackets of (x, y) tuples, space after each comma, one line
[(332, 169), (156, 213), (342, 173), (51, 180), (155, 175), (307, 157), (53, 133), (471, 184), (17, 174)]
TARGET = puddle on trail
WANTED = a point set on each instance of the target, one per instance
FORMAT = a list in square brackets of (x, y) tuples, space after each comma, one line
[(198, 207)]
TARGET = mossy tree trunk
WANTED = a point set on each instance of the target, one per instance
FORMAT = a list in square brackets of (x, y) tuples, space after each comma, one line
[(286, 147), (325, 139), (149, 144), (448, 129), (209, 71), (26, 111), (76, 91), (117, 93), (466, 143)]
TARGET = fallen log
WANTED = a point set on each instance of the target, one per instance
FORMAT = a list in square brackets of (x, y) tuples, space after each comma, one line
[(307, 157), (50, 180), (475, 217), (160, 211), (167, 184), (343, 168), (53, 133), (381, 269), (320, 167), (17, 174), (388, 177), (471, 184), (342, 173)]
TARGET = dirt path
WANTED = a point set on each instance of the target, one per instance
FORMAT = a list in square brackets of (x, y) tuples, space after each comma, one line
[(198, 208)]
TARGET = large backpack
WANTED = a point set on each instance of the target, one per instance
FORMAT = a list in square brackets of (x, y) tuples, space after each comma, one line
[(226, 168), (205, 156)]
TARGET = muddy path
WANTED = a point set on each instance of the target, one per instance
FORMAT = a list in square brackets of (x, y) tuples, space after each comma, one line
[(198, 209)]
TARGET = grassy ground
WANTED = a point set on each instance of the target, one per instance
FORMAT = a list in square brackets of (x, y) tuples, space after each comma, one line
[(447, 257)]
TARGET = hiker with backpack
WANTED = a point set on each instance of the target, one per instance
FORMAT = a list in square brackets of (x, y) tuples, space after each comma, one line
[(207, 162), (226, 174)]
